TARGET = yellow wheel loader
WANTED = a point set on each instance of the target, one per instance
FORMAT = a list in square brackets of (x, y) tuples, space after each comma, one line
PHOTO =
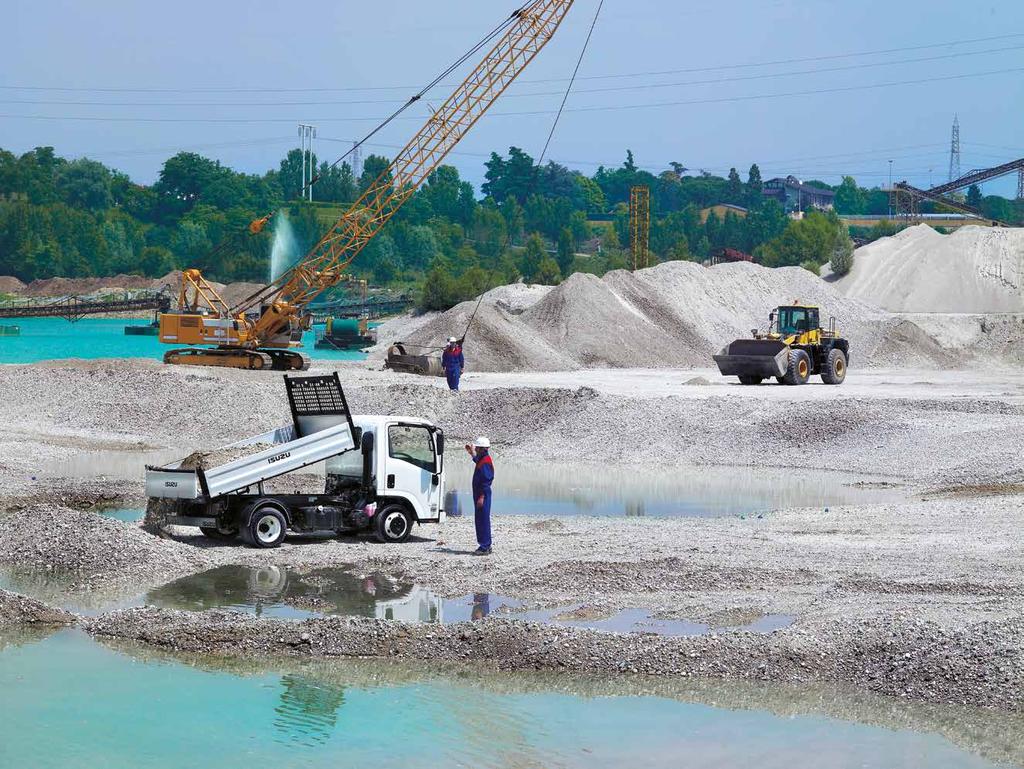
[(794, 349)]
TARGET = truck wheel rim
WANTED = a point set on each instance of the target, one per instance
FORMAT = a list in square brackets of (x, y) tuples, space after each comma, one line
[(268, 529), (394, 525), (840, 367), (803, 368)]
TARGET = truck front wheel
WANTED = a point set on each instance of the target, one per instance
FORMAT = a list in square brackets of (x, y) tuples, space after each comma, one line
[(393, 524), (266, 528)]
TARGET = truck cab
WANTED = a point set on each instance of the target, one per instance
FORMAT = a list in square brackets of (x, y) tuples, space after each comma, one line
[(384, 473)]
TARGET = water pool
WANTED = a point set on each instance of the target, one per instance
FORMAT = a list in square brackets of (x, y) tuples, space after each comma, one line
[(72, 702), (55, 338)]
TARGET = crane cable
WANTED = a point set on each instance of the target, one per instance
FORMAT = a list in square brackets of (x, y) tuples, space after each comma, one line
[(231, 240), (572, 80), (512, 17), (551, 133), (268, 289)]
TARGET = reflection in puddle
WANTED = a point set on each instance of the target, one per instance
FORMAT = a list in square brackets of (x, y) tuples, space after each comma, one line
[(276, 591), (612, 490), (386, 713)]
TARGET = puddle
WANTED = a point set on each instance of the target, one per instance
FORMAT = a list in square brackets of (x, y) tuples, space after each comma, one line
[(126, 514), (547, 489), (275, 591), (158, 710), (554, 489)]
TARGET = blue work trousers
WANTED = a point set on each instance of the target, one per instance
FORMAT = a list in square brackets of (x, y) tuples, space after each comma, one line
[(482, 518), (453, 378)]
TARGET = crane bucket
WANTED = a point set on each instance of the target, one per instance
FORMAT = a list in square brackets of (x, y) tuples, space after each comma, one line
[(754, 357)]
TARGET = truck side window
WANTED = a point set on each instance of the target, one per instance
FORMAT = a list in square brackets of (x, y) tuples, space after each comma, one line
[(412, 444)]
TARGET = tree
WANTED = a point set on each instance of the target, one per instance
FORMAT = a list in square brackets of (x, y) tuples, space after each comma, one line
[(548, 273), (841, 260), (532, 257), (373, 167), (156, 261), (754, 186), (974, 196), (811, 239), (86, 184), (849, 198), (734, 188), (515, 177), (566, 251)]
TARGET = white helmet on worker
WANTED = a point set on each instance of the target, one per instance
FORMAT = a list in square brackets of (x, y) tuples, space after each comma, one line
[(482, 443), (452, 340)]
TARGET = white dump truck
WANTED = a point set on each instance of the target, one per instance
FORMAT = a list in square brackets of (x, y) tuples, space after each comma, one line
[(383, 473)]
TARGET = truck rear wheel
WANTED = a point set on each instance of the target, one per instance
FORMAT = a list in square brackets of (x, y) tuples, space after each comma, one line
[(392, 524), (834, 371), (266, 528), (799, 370)]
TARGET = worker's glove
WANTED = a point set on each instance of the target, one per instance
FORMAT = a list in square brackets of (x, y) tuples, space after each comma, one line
[(480, 502)]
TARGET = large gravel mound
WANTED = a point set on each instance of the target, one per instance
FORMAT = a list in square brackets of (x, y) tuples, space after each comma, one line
[(973, 270), (674, 314)]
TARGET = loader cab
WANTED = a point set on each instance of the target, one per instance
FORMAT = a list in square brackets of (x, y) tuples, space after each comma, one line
[(796, 319)]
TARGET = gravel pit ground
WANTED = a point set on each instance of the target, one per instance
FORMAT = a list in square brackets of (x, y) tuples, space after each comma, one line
[(867, 584)]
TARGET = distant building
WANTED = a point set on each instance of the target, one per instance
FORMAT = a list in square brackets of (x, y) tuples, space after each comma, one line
[(794, 195)]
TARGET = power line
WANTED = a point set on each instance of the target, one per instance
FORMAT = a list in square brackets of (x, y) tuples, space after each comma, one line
[(533, 113), (690, 70), (612, 89)]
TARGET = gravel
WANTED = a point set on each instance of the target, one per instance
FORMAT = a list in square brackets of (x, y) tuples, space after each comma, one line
[(676, 314), (18, 610), (937, 576), (906, 659)]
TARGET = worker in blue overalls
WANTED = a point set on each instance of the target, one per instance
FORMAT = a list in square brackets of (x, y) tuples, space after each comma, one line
[(483, 477), (452, 362)]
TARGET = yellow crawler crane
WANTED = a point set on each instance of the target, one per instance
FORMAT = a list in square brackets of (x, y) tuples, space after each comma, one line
[(262, 330), (794, 348)]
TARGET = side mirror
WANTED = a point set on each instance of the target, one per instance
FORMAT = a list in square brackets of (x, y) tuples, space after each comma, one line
[(440, 442), (366, 443)]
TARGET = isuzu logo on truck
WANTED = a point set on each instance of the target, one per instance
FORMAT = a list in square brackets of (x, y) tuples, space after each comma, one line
[(171, 484), (279, 457)]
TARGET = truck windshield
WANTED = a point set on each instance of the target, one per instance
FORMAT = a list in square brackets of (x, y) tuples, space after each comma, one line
[(792, 320), (412, 444)]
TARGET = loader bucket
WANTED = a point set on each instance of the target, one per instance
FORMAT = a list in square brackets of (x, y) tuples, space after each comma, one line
[(754, 357)]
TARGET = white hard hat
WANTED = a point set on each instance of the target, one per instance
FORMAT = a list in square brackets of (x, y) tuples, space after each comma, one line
[(452, 340), (482, 443)]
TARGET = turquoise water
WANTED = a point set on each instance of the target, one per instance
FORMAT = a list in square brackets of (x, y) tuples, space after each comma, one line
[(56, 338), (72, 703)]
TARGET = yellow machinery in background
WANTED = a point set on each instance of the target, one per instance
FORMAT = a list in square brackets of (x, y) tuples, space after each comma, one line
[(640, 225), (263, 330), (794, 348)]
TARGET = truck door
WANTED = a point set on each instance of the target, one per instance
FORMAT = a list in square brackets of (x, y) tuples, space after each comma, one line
[(413, 468)]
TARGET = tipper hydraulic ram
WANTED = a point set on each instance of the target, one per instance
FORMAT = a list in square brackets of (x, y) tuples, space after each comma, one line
[(383, 473)]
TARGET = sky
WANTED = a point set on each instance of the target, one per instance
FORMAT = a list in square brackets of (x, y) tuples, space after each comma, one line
[(814, 88)]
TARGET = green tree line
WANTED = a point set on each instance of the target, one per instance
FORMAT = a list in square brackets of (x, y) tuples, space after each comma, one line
[(79, 218)]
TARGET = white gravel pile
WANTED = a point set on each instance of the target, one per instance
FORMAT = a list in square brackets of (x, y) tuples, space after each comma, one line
[(972, 270), (674, 314)]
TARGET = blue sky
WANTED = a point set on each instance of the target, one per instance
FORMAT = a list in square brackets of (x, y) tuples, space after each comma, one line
[(722, 95)]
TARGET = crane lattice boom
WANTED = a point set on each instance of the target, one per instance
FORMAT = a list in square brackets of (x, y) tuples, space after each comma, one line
[(530, 30)]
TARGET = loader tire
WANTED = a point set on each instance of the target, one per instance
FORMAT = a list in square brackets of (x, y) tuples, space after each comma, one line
[(834, 370), (750, 380), (799, 370)]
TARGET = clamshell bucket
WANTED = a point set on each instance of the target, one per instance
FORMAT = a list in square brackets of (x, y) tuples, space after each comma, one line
[(754, 357)]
